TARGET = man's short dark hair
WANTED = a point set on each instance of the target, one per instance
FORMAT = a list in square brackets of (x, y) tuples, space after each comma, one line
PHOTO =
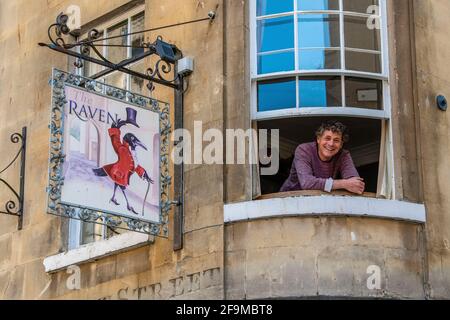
[(335, 127)]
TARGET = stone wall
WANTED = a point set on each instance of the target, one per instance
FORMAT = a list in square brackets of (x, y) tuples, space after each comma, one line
[(311, 257), (431, 26), (321, 257), (153, 271), (282, 257)]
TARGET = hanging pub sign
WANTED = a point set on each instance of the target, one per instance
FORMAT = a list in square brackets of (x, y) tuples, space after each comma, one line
[(109, 152)]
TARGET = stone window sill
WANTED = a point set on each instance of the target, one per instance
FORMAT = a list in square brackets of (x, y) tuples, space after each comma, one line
[(96, 250), (309, 203)]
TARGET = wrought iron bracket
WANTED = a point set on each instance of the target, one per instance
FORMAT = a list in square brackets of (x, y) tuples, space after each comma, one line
[(153, 75), (86, 50), (15, 207)]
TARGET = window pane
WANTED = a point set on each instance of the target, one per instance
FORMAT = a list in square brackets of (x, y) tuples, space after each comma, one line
[(276, 94), (320, 92), (268, 63), (358, 35), (317, 59), (318, 4), (117, 79), (90, 232), (364, 93), (118, 54), (360, 5), (90, 68), (266, 7), (137, 40), (137, 85), (362, 61), (276, 34), (318, 30)]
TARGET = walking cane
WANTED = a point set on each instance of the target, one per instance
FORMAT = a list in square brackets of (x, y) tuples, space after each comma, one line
[(145, 198)]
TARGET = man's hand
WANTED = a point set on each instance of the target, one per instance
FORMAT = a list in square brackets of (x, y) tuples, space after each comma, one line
[(147, 178), (354, 185)]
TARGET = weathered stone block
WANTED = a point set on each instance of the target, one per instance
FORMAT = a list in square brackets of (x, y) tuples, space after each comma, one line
[(15, 283), (403, 274), (280, 272), (235, 275), (105, 270), (133, 262), (390, 234), (5, 251), (37, 282), (342, 271), (203, 216), (40, 240)]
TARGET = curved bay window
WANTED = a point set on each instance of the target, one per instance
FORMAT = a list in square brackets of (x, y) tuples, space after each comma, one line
[(314, 60)]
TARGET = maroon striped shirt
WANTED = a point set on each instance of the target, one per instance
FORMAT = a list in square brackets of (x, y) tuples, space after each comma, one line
[(308, 172)]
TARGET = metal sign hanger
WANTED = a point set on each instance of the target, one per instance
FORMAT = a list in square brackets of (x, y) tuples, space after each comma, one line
[(169, 55)]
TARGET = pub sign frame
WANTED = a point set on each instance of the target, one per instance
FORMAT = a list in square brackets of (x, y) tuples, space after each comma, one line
[(61, 199)]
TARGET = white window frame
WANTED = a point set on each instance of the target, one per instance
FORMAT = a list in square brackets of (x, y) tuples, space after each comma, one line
[(104, 51), (382, 115), (343, 110), (129, 239)]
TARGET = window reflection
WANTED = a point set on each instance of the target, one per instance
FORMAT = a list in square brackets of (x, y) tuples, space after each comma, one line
[(268, 63), (115, 53), (359, 5), (318, 47), (318, 4), (276, 94), (362, 61), (266, 7), (358, 35), (319, 59), (318, 30), (320, 92), (275, 34), (137, 40), (364, 93)]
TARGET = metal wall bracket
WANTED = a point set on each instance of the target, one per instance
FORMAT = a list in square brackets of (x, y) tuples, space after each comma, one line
[(11, 205)]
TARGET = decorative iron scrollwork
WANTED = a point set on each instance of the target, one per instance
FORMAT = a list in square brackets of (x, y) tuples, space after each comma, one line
[(15, 207), (88, 51), (161, 69)]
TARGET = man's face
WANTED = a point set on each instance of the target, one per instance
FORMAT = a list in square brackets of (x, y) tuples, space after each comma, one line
[(329, 144)]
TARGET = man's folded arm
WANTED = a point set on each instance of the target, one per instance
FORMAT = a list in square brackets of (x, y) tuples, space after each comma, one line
[(348, 169)]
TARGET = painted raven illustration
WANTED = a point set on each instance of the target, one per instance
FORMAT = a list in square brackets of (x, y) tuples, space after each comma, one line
[(127, 163)]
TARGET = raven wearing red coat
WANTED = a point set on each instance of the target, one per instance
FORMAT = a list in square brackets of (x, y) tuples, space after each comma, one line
[(121, 171)]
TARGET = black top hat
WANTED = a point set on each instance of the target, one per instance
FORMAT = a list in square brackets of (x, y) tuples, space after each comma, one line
[(131, 117)]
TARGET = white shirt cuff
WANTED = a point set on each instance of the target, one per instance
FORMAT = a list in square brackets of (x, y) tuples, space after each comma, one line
[(328, 185)]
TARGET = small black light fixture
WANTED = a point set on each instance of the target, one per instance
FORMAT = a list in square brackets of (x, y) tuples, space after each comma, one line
[(167, 52), (442, 102)]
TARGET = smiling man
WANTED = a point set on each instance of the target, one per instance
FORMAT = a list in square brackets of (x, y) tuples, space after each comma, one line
[(324, 164)]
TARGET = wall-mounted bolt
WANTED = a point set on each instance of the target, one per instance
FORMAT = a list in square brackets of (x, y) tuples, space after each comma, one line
[(212, 15), (441, 102)]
